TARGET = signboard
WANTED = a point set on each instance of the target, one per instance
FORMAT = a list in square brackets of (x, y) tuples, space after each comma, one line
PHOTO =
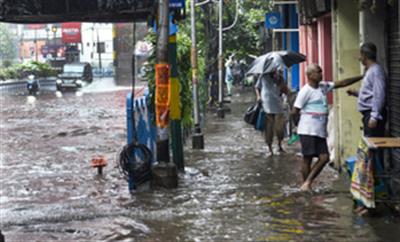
[(71, 32), (173, 28), (273, 20), (177, 3)]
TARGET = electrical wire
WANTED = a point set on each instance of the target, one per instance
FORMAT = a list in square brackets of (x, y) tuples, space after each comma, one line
[(127, 162)]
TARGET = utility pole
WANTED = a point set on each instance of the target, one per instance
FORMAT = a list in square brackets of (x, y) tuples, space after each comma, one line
[(197, 138), (165, 173), (220, 111), (36, 46), (162, 59), (175, 116), (98, 48)]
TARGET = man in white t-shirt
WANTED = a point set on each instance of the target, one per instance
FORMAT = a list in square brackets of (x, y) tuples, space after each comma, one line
[(311, 103), (269, 89)]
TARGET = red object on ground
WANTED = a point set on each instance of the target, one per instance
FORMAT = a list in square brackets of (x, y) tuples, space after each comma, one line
[(99, 160)]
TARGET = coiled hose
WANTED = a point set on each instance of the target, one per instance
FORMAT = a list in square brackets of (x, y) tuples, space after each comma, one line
[(130, 167)]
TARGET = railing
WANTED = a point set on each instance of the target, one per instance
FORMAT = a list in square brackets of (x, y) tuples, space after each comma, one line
[(20, 87), (145, 130)]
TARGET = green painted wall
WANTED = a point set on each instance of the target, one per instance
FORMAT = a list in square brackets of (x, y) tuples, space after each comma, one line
[(346, 52)]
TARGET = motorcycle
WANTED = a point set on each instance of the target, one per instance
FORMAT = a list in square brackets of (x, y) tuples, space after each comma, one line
[(33, 85)]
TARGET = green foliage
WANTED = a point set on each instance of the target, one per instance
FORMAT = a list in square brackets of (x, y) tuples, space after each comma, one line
[(20, 71), (244, 38), (150, 75), (185, 78), (8, 49)]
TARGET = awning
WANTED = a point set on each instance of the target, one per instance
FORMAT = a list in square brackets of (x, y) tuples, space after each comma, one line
[(50, 11)]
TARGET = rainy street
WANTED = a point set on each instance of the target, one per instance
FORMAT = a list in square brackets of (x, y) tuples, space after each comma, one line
[(230, 191)]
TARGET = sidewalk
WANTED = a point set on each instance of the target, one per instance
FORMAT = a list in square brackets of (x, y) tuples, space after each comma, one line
[(252, 197)]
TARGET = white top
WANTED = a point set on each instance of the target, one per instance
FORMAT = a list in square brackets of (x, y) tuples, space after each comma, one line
[(314, 109), (271, 97)]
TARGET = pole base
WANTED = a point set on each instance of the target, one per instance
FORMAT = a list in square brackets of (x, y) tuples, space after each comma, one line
[(221, 113), (198, 141), (164, 175), (163, 151)]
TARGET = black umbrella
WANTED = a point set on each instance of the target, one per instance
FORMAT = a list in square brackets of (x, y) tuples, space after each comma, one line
[(275, 60)]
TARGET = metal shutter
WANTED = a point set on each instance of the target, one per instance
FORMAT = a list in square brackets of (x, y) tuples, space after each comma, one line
[(394, 82)]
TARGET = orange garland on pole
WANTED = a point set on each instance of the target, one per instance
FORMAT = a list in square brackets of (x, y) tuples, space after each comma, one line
[(162, 95)]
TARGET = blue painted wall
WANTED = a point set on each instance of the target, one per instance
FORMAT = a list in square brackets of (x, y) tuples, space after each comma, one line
[(294, 44)]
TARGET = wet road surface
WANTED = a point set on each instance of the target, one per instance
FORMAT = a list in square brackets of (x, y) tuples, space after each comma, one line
[(229, 192)]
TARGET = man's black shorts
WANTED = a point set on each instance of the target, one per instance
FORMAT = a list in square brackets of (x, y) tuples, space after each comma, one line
[(313, 145)]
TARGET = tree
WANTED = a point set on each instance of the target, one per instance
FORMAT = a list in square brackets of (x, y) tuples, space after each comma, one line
[(8, 40), (243, 39)]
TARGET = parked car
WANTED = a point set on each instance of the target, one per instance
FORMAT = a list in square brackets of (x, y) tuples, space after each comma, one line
[(74, 75)]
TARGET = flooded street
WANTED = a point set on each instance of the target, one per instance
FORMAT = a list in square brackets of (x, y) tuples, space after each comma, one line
[(230, 191)]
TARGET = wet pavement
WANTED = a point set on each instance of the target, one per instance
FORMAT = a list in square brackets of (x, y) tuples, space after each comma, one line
[(230, 191)]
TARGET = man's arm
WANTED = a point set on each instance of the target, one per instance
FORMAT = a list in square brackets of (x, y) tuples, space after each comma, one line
[(283, 87), (347, 82), (258, 96), (295, 114), (379, 96)]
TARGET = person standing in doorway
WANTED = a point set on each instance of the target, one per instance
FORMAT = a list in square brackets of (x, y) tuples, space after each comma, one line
[(372, 95), (269, 89), (371, 104)]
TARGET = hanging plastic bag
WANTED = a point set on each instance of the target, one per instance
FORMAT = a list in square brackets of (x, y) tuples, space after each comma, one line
[(251, 114)]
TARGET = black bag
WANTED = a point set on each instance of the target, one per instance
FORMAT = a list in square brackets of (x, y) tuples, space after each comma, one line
[(251, 114)]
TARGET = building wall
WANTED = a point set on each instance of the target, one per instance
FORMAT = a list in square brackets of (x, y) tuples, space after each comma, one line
[(309, 47), (373, 29), (91, 33), (324, 24), (346, 41), (294, 45), (27, 36)]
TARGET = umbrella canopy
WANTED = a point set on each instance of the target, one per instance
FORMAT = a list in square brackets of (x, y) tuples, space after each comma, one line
[(275, 60)]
